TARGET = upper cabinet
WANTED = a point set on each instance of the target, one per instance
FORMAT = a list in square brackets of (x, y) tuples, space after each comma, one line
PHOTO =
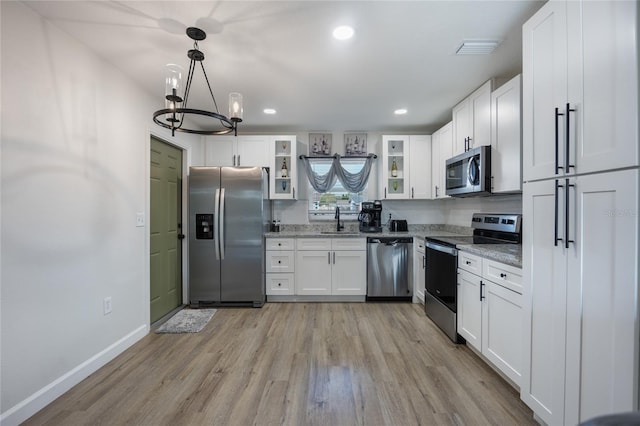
[(506, 137), (395, 167), (472, 120), (406, 167), (284, 172), (420, 167), (580, 88), (237, 151), (441, 151)]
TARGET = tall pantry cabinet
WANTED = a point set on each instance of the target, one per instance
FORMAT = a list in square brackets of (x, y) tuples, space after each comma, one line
[(580, 207)]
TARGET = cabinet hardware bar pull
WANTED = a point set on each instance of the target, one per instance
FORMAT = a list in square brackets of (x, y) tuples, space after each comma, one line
[(555, 218), (234, 159), (385, 192), (334, 257), (238, 160), (329, 257), (412, 193), (566, 156), (294, 193), (566, 212), (558, 166), (481, 285)]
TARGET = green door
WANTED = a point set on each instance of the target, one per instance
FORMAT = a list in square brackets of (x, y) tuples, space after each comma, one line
[(166, 228)]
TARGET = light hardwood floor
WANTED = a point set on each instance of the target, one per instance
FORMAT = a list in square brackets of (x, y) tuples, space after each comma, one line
[(296, 364)]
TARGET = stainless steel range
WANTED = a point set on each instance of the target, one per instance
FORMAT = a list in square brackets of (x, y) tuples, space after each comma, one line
[(442, 264)]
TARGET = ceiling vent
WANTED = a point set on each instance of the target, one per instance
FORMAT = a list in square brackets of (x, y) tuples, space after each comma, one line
[(477, 47)]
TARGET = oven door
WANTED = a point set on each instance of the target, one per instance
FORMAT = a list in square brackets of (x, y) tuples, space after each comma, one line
[(441, 273)]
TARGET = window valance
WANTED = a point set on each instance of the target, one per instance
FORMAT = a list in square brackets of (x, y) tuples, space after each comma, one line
[(354, 182)]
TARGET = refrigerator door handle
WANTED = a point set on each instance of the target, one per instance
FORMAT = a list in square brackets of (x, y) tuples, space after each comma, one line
[(221, 229), (216, 226)]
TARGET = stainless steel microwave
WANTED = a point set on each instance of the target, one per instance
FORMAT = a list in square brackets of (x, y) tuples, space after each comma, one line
[(469, 174)]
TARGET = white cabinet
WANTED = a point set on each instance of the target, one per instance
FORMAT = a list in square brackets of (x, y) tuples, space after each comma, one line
[(395, 167), (331, 266), (236, 151), (441, 151), (406, 167), (580, 121), (280, 266), (420, 167), (581, 301), (582, 55), (472, 120), (283, 176), (506, 137), (419, 266), (490, 311)]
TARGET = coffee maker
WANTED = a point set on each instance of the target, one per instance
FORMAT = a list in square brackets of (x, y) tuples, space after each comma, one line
[(370, 216)]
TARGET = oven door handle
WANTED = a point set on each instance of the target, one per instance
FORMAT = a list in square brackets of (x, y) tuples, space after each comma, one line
[(442, 248)]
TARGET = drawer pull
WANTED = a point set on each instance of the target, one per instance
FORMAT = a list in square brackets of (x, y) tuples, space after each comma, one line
[(503, 275), (467, 262), (279, 244), (279, 261), (279, 284)]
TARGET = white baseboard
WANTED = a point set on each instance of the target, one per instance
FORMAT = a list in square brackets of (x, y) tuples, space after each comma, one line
[(36, 402)]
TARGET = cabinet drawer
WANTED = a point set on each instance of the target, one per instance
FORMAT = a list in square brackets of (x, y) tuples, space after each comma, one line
[(505, 275), (349, 244), (470, 262), (313, 243), (280, 261), (280, 244), (280, 284)]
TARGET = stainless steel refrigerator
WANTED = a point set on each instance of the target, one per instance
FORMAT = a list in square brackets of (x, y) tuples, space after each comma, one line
[(229, 211)]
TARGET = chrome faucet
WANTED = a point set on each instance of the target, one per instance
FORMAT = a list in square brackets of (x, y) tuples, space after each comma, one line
[(338, 227)]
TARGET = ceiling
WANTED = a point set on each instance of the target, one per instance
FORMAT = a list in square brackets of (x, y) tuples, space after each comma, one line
[(281, 55)]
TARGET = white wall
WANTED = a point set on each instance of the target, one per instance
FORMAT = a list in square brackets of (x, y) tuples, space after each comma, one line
[(75, 141)]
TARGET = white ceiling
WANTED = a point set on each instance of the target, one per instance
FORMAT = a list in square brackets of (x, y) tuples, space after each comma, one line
[(280, 54)]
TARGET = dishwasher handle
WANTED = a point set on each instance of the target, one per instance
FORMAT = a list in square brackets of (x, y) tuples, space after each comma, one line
[(439, 247)]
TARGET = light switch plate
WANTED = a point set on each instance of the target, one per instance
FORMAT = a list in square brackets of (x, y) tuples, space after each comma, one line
[(139, 219)]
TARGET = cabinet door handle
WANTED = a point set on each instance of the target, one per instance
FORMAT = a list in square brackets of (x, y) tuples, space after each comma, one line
[(566, 213), (329, 257), (481, 295), (424, 262), (412, 192), (385, 192), (436, 191), (334, 257), (555, 219), (234, 160), (566, 154), (238, 160), (294, 193), (558, 166)]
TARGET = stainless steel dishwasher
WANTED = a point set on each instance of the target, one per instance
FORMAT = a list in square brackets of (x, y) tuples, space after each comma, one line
[(389, 266)]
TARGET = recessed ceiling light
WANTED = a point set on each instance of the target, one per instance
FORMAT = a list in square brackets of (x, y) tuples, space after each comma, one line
[(401, 111), (343, 32), (270, 111)]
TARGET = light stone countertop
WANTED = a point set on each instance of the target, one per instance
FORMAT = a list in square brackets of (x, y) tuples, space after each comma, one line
[(511, 254)]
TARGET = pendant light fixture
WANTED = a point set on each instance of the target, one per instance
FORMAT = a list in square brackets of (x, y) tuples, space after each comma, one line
[(176, 108)]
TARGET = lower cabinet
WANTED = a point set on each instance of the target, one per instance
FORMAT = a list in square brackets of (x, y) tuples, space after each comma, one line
[(280, 266), (490, 312), (331, 266), (419, 265)]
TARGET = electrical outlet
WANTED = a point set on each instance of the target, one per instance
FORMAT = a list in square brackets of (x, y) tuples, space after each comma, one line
[(106, 305), (139, 219)]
